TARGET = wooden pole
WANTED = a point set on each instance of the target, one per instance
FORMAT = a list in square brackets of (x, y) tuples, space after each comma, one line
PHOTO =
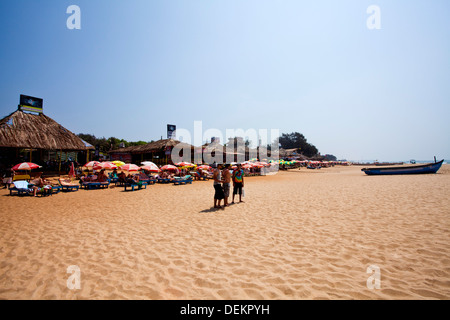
[(59, 168)]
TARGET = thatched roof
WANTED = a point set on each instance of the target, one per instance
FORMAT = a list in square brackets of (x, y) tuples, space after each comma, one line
[(155, 146), (25, 130)]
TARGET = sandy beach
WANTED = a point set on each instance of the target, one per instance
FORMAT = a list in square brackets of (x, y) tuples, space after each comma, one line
[(301, 234)]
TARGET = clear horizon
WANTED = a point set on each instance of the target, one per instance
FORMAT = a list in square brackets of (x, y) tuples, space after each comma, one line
[(314, 68)]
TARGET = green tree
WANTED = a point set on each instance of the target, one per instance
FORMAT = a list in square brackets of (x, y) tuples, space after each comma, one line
[(296, 140)]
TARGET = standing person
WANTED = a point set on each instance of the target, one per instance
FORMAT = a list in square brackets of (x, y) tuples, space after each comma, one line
[(226, 174), (217, 176), (238, 182)]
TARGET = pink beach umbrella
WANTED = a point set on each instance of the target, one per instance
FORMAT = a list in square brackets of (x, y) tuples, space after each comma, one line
[(25, 166), (105, 165), (204, 167), (184, 164), (130, 167), (151, 168), (169, 167), (91, 164)]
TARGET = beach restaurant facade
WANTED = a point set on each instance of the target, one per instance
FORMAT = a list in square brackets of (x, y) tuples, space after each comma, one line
[(27, 137), (160, 152)]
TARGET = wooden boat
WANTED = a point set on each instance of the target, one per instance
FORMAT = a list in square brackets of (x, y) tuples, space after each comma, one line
[(418, 169)]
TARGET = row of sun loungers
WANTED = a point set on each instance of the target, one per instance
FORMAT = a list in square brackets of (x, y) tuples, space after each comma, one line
[(66, 185)]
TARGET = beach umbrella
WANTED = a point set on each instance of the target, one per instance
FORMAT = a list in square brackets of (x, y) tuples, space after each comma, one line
[(151, 168), (91, 164), (148, 163), (247, 166), (105, 165), (169, 167), (204, 167), (130, 167), (25, 166), (118, 163), (184, 164), (72, 170)]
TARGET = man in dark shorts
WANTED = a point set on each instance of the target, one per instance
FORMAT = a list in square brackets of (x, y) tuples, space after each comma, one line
[(217, 176), (238, 182), (226, 177)]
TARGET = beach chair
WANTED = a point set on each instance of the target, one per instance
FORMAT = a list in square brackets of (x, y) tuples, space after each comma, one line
[(184, 180), (21, 177), (68, 186), (134, 186), (112, 178), (94, 184), (159, 180), (20, 188)]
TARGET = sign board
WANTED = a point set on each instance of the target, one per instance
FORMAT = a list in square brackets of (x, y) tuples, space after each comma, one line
[(32, 104), (170, 131)]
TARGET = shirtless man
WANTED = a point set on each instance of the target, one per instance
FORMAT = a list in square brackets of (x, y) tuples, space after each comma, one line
[(226, 176)]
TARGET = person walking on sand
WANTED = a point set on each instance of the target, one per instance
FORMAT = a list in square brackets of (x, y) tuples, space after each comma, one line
[(238, 182), (226, 174), (217, 177)]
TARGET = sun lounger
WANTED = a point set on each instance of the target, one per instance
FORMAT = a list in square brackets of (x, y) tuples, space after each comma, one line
[(21, 177), (184, 180), (134, 186), (89, 185), (20, 188), (68, 186)]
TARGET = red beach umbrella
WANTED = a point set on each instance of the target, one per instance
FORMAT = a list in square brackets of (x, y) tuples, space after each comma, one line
[(25, 166), (151, 168), (169, 167), (204, 167), (91, 164), (105, 165), (72, 170), (184, 164), (130, 167)]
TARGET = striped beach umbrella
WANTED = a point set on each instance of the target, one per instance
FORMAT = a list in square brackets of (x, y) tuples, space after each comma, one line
[(169, 167), (105, 165), (118, 163), (91, 164), (150, 168), (25, 166), (184, 164), (130, 167)]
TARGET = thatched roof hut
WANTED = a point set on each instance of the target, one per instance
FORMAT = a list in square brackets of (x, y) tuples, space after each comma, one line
[(155, 146), (25, 130)]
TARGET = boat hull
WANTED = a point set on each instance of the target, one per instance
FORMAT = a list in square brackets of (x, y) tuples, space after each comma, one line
[(423, 169)]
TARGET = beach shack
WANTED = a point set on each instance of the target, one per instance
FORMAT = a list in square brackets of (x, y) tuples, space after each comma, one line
[(35, 137), (159, 152)]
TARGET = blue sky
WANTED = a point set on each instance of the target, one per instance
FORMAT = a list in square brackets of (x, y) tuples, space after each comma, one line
[(307, 66)]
